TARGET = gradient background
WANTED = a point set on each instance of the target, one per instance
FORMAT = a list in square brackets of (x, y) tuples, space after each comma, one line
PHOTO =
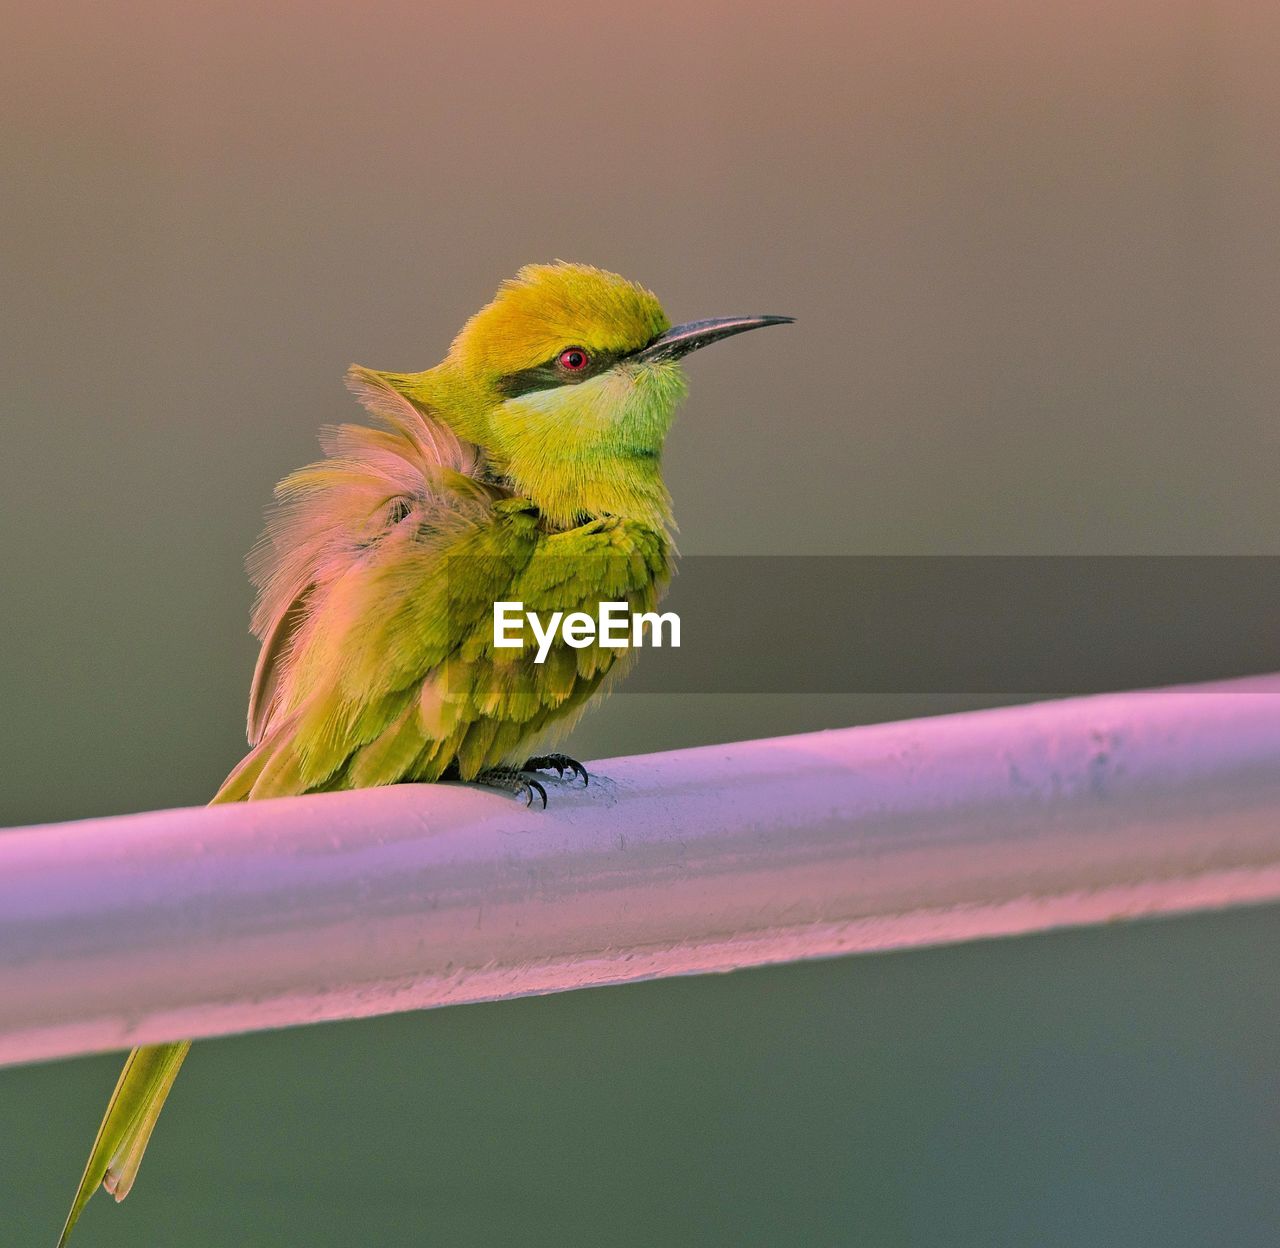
[(1033, 254)]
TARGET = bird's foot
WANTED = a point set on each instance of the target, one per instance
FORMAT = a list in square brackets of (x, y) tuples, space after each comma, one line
[(560, 763), (510, 780)]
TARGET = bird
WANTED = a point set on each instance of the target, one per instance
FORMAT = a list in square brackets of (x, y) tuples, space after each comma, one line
[(526, 466)]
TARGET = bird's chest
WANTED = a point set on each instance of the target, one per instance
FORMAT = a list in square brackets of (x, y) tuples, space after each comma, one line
[(607, 560), (581, 605)]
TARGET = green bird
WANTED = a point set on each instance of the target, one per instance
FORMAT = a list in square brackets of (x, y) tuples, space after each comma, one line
[(525, 467)]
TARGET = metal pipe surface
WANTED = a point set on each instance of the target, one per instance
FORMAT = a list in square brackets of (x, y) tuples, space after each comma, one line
[(210, 920)]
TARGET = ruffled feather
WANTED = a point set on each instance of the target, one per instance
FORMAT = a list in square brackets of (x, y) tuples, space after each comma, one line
[(413, 472)]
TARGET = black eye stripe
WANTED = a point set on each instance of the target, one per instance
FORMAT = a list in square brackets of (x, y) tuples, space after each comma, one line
[(552, 374)]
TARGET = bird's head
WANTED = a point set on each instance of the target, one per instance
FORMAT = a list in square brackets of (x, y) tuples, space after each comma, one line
[(568, 380)]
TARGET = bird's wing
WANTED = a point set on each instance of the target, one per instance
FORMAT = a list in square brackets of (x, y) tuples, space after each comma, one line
[(395, 616), (415, 469), (395, 673)]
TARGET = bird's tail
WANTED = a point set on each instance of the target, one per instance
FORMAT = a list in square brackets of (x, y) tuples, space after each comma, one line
[(127, 1125), (140, 1093)]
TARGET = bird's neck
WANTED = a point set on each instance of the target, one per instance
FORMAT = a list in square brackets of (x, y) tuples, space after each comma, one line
[(576, 452), (568, 492)]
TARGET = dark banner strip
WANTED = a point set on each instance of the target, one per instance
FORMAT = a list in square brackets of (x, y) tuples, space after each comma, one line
[(973, 625)]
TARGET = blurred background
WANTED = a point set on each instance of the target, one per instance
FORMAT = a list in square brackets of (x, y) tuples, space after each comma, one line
[(1032, 251)]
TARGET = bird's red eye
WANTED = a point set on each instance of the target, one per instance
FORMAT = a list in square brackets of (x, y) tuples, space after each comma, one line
[(574, 359)]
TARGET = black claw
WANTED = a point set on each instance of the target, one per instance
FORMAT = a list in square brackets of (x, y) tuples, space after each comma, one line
[(529, 788), (559, 763)]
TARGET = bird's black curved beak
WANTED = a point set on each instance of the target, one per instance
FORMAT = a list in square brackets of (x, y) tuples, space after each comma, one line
[(681, 339)]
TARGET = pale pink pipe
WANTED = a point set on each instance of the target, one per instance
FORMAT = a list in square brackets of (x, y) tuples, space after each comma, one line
[(198, 922)]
